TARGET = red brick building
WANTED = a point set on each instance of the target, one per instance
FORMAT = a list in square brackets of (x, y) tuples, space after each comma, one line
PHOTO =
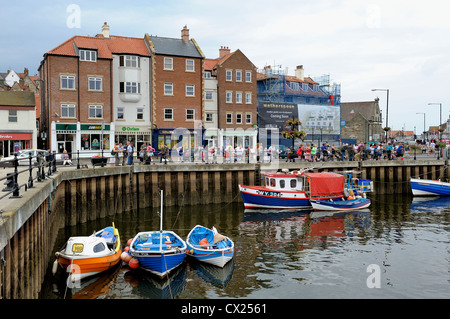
[(177, 86)]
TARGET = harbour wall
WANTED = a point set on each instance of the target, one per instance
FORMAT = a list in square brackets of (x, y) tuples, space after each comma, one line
[(29, 225)]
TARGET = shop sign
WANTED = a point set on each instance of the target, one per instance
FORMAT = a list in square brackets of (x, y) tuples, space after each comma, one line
[(15, 136), (130, 129), (66, 127), (94, 127)]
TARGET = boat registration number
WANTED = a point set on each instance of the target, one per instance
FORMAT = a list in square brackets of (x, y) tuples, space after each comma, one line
[(77, 248), (267, 193)]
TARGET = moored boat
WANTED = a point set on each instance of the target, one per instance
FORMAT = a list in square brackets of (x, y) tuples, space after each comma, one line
[(208, 246), (158, 252), (341, 204), (85, 256), (428, 187), (297, 190)]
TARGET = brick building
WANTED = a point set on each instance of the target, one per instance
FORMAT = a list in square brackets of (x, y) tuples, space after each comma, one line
[(235, 114), (177, 88), (78, 91)]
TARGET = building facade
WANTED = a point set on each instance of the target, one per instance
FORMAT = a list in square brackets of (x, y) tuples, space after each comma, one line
[(17, 122), (82, 78)]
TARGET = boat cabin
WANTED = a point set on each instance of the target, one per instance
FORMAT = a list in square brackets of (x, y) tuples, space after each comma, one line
[(284, 181)]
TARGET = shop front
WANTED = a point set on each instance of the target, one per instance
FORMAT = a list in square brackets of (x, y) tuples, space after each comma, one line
[(138, 135), (88, 139), (11, 142)]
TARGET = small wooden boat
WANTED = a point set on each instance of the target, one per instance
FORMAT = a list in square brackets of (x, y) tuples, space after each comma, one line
[(341, 204), (158, 252), (85, 256), (428, 187), (208, 246)]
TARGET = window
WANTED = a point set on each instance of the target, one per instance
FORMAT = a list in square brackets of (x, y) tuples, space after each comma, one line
[(168, 88), (294, 86), (168, 63), (229, 97), (140, 113), (95, 84), (168, 114), (88, 55), (68, 82), (208, 96), (99, 248), (120, 115), (67, 110), (129, 61), (315, 88), (239, 76), (209, 117), (190, 90), (248, 98), (282, 183), (272, 182), (229, 118), (229, 75), (238, 97), (95, 111), (130, 87), (12, 117), (207, 74), (293, 183), (248, 118), (238, 118), (248, 76), (190, 65), (190, 114), (305, 86)]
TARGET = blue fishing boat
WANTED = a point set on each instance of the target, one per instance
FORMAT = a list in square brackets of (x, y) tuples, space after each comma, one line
[(428, 187), (340, 204), (158, 252), (208, 246)]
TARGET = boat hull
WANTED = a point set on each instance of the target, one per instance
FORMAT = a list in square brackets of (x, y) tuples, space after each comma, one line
[(341, 205), (255, 197), (83, 267), (217, 253), (155, 256), (425, 187)]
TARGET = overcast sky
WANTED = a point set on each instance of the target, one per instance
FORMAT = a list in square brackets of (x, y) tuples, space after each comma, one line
[(398, 45)]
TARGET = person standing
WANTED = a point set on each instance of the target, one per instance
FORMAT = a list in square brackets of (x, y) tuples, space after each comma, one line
[(163, 154), (129, 153)]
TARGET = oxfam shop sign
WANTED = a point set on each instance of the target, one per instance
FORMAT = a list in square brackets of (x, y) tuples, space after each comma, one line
[(130, 129)]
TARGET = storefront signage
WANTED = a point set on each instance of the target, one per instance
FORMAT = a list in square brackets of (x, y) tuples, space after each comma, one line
[(130, 129), (15, 136), (66, 127), (94, 127)]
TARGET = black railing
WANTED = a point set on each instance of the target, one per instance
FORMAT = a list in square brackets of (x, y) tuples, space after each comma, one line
[(44, 167)]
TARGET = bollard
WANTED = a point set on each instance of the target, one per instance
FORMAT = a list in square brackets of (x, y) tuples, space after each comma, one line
[(9, 182), (16, 176), (30, 179), (78, 159)]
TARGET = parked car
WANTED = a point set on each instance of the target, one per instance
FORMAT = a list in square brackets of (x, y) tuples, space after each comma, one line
[(24, 157)]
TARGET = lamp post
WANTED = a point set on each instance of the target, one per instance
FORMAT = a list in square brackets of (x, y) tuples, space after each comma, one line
[(387, 107), (440, 116), (423, 124)]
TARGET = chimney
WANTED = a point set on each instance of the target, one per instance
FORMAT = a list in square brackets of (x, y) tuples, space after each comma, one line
[(299, 72), (25, 71), (223, 51), (105, 30), (185, 34)]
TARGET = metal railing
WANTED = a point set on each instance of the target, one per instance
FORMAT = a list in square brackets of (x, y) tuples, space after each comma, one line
[(45, 166)]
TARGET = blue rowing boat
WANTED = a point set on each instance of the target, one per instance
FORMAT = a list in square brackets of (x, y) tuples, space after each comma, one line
[(428, 187)]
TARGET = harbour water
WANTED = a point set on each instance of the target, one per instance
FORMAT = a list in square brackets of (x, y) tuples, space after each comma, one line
[(398, 248)]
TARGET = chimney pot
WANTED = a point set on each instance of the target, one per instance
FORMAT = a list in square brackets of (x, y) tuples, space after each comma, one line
[(185, 34), (223, 51), (105, 30)]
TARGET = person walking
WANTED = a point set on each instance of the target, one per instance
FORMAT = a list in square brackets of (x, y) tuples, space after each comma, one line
[(130, 153), (163, 153)]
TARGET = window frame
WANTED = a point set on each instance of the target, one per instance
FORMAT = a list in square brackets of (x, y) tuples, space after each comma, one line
[(229, 118), (229, 97), (229, 75), (188, 66), (95, 108), (96, 80), (248, 76), (190, 94), (13, 116), (66, 108), (190, 117), (84, 56), (168, 65), (69, 79), (167, 85), (166, 113), (121, 110)]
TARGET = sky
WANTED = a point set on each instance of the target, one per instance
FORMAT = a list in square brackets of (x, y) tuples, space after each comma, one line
[(398, 45)]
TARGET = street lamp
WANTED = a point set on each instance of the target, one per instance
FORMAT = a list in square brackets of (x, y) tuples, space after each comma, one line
[(423, 124), (387, 106), (440, 116)]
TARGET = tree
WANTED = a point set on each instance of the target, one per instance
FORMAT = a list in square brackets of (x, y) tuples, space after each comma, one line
[(292, 130)]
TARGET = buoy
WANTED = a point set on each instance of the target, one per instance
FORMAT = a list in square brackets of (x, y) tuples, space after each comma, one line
[(134, 263), (129, 242), (350, 198), (167, 242), (126, 248), (126, 257)]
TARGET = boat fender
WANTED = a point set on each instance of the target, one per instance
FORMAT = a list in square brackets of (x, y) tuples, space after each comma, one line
[(350, 198), (204, 241), (126, 257), (55, 267), (167, 242), (129, 242), (134, 263)]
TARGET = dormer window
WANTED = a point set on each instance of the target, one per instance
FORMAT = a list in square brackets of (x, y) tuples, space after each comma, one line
[(88, 55)]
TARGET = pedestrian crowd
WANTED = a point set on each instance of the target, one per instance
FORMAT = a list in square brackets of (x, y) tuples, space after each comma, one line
[(309, 152)]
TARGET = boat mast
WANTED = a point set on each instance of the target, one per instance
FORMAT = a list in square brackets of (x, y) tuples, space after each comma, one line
[(161, 223)]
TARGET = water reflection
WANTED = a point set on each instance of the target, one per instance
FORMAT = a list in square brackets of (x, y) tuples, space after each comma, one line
[(295, 254)]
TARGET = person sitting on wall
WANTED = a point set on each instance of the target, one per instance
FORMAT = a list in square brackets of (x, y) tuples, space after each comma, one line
[(66, 159)]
